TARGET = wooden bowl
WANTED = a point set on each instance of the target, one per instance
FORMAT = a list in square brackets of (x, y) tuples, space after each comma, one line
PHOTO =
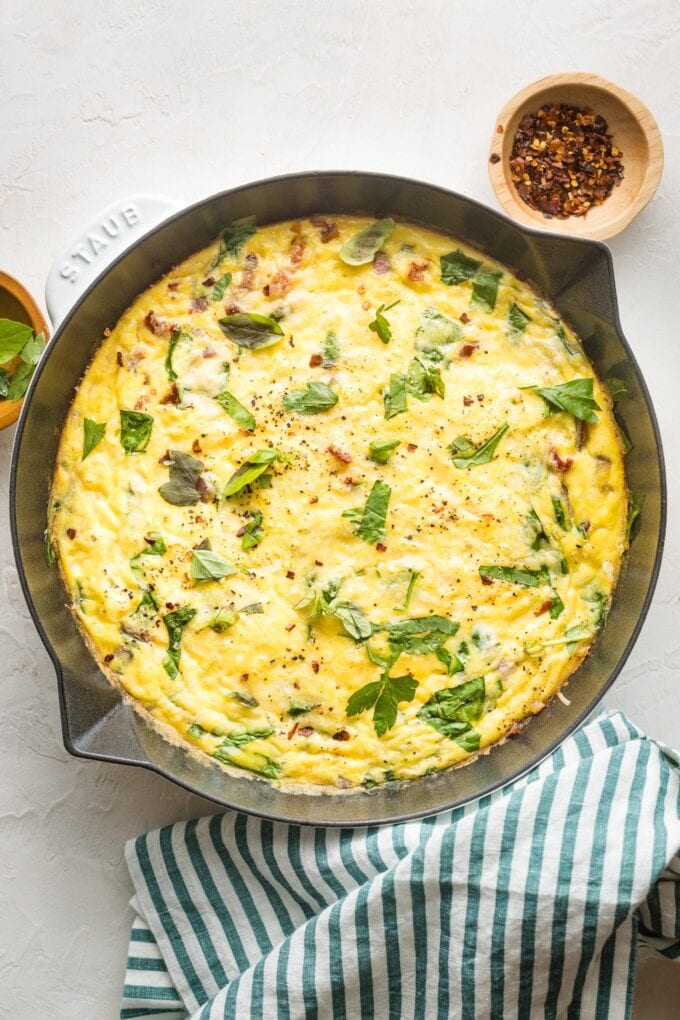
[(16, 303), (635, 133)]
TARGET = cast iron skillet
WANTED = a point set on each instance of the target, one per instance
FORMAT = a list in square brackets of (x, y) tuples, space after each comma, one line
[(576, 274)]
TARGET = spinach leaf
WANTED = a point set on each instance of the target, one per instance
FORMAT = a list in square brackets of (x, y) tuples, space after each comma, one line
[(422, 381), (155, 546), (452, 663), (250, 471), (600, 604), (457, 267), (635, 503), (135, 431), (93, 433), (574, 397), (557, 607), (221, 286), (437, 331), (419, 635), (175, 622), (148, 604), (452, 711), (324, 602), (253, 607), (517, 321), (380, 450), (385, 694), (251, 331), (262, 764), (485, 288), (352, 618), (233, 237), (297, 708), (185, 471), (316, 398), (361, 248), (369, 523), (238, 412), (221, 620), (244, 699), (196, 730), (380, 325), (237, 738), (394, 397), (560, 513), (207, 565), (517, 575), (13, 338), (49, 554), (330, 349), (253, 533), (176, 336), (465, 455)]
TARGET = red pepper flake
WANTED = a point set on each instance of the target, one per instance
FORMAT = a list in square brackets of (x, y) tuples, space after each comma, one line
[(465, 318), (318, 563), (341, 735), (558, 463), (71, 532), (494, 158), (315, 666), (315, 360), (232, 309), (172, 396), (290, 626), (119, 358), (305, 731), (327, 230), (205, 489), (467, 350), (341, 455), (500, 129), (381, 547), (290, 574), (210, 282), (244, 677), (468, 401), (544, 607), (564, 161), (486, 580), (196, 446), (313, 499), (412, 447), (109, 657), (416, 271), (291, 731)]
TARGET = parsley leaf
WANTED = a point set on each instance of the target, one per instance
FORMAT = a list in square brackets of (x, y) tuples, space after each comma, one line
[(452, 711), (185, 471), (394, 397), (250, 471), (251, 331), (253, 533), (175, 622), (207, 565), (369, 522), (517, 321), (385, 694), (238, 412), (380, 450), (233, 237), (517, 575), (457, 267), (176, 336), (575, 397), (380, 325), (135, 431), (93, 433), (361, 248), (315, 399), (221, 286), (465, 455)]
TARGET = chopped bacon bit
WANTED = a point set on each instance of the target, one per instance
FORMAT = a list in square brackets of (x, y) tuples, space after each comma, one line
[(558, 463), (290, 574), (196, 446), (486, 580), (514, 730), (244, 677), (119, 358), (297, 249), (232, 309), (467, 350), (305, 731), (241, 531), (156, 325), (209, 352), (313, 499), (327, 230), (417, 271), (199, 304), (544, 607), (172, 396), (210, 282), (71, 532), (291, 731), (265, 290), (205, 489), (318, 563), (341, 735), (581, 433), (169, 605), (468, 401), (480, 397), (381, 547), (199, 519), (342, 455), (248, 273), (412, 447), (279, 285), (315, 360), (315, 666), (141, 404), (381, 263), (290, 626), (166, 458), (465, 318)]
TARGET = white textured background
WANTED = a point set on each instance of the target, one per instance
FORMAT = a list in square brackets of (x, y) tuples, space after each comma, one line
[(99, 99)]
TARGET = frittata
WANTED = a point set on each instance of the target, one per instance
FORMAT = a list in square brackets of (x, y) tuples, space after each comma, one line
[(339, 502)]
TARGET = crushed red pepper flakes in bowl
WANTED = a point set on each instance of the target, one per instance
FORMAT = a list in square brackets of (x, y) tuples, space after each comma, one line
[(564, 161)]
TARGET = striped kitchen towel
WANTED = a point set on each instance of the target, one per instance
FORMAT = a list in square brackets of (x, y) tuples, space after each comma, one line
[(530, 903)]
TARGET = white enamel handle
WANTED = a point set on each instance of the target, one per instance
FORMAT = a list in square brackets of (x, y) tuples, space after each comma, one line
[(102, 240)]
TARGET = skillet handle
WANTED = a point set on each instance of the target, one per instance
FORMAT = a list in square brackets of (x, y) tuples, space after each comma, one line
[(95, 247)]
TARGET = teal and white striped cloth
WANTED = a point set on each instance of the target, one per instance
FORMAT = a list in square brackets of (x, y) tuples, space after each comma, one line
[(530, 903)]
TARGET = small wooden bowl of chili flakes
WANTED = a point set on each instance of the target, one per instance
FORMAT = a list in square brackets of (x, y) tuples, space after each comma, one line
[(575, 154)]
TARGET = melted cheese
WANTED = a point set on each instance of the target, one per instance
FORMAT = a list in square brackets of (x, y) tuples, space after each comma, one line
[(442, 521)]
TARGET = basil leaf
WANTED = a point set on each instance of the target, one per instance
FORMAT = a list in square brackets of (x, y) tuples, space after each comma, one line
[(13, 338), (380, 325), (437, 331), (221, 286), (251, 331), (175, 337), (185, 471), (135, 431), (370, 526), (297, 708), (238, 412), (635, 503), (253, 534), (452, 710), (30, 353), (560, 513), (465, 455), (244, 699), (361, 248), (422, 381), (557, 607), (330, 349), (485, 288), (251, 470), (19, 380), (380, 450), (93, 433), (222, 620), (517, 321), (155, 546), (233, 237), (394, 398), (575, 397), (353, 619), (517, 575), (207, 565), (457, 267), (253, 607), (175, 622), (315, 399)]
